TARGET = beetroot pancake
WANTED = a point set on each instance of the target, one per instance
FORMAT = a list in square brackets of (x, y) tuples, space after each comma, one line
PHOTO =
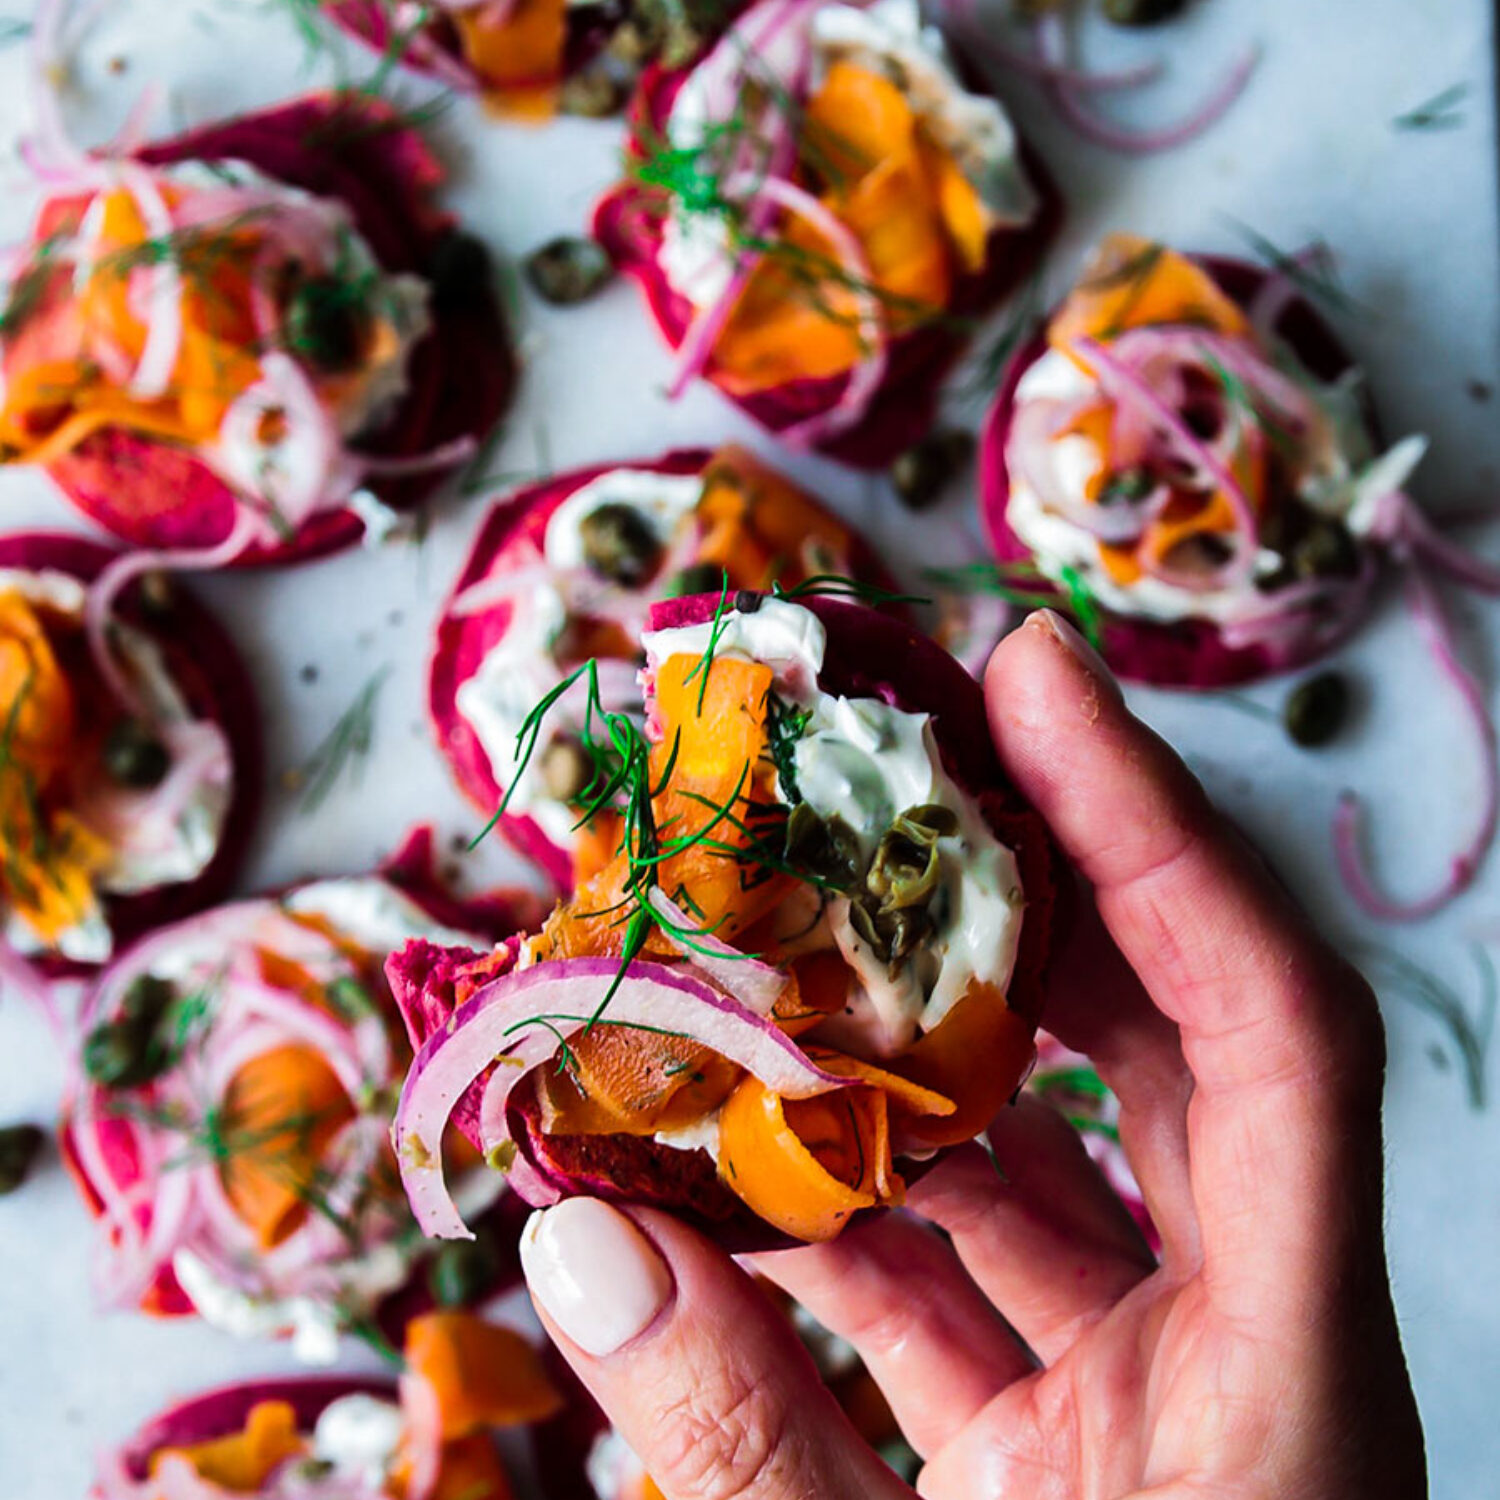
[(426, 1436), (820, 265), (133, 756), (514, 52), (818, 955), (229, 1114), (565, 570), (278, 339), (1298, 443)]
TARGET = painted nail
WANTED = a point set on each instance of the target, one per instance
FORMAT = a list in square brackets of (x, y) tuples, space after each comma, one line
[(594, 1273), (1064, 632)]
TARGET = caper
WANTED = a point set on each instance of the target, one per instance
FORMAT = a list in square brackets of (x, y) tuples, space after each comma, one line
[(636, 39), (133, 756), (943, 821), (904, 931), (699, 578), (565, 770), (1141, 12), (747, 602), (326, 324), (1127, 487), (459, 271), (1325, 550), (682, 43), (568, 270), (593, 93), (146, 1000), (19, 1147), (620, 544), (862, 920), (1316, 709), (123, 1055), (825, 848), (904, 872), (924, 471), (462, 1271)]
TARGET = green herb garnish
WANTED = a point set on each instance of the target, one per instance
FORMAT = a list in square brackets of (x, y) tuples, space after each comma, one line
[(345, 746), (1441, 112)]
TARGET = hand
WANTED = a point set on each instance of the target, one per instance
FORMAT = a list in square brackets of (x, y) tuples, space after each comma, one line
[(1259, 1359)]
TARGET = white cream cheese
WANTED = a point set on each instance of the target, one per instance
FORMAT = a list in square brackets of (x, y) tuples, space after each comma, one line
[(1340, 476), (700, 1135), (886, 38), (663, 501), (360, 1436), (784, 636)]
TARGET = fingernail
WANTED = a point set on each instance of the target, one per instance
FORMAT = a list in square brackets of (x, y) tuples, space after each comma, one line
[(1067, 635), (595, 1274)]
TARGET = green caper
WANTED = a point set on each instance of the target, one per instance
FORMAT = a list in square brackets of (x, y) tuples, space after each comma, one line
[(123, 1055), (620, 544), (568, 270), (904, 931), (458, 271), (1316, 709), (1127, 486), (862, 920), (924, 471), (1325, 550), (699, 578), (943, 821), (1141, 12), (462, 1271), (682, 43), (565, 769), (19, 1147), (593, 93), (134, 757), (825, 848), (326, 323), (904, 872), (146, 1000)]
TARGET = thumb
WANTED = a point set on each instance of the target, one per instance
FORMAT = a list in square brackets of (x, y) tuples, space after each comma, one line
[(704, 1378)]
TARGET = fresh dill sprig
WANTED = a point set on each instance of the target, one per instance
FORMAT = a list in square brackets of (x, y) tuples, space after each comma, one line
[(1441, 112), (1024, 585), (1470, 1036), (1312, 272), (30, 285), (837, 586), (716, 630), (345, 746), (785, 725)]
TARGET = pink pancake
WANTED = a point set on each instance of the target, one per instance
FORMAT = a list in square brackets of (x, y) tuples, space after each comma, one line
[(904, 407), (358, 150), (219, 1412), (206, 666), (1189, 653), (462, 641), (869, 655), (412, 870)]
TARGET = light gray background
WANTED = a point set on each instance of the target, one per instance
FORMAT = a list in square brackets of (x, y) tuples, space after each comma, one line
[(1309, 150)]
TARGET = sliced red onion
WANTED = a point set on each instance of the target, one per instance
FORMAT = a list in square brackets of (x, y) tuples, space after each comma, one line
[(445, 456), (1403, 524), (153, 373), (1427, 611), (518, 1022), (1127, 383), (1074, 107), (754, 984)]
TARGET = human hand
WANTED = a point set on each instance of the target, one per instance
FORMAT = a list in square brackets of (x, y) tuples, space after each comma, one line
[(1260, 1358)]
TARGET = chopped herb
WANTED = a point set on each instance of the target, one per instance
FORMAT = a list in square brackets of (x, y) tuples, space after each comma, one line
[(1471, 1037), (346, 745), (1083, 606), (1311, 271), (1441, 112)]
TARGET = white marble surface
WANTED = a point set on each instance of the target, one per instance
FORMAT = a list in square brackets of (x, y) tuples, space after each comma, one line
[(1310, 149)]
